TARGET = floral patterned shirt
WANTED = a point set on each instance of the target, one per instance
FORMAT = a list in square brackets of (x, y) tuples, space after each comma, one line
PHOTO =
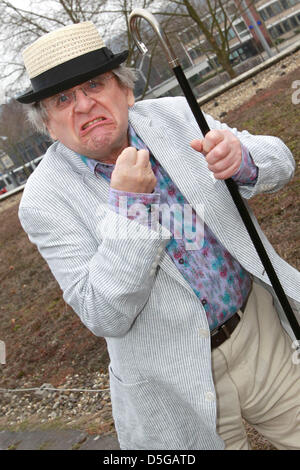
[(218, 279)]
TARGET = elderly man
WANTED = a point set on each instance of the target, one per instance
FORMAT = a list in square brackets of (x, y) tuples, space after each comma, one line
[(130, 212)]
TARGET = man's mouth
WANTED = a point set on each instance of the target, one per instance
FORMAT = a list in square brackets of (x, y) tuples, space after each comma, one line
[(90, 123)]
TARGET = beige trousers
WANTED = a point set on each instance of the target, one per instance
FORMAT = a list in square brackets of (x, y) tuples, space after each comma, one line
[(257, 378)]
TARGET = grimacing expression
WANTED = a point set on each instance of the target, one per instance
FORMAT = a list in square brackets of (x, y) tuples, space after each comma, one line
[(92, 118)]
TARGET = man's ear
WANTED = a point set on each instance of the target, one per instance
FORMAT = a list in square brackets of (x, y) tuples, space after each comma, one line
[(130, 98)]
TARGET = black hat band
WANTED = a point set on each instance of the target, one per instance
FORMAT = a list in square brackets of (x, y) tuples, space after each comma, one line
[(72, 68)]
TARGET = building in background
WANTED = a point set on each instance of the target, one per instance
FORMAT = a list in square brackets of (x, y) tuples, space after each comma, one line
[(281, 18), (20, 160), (278, 20)]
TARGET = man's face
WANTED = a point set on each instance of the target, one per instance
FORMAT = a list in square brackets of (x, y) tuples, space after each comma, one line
[(92, 118)]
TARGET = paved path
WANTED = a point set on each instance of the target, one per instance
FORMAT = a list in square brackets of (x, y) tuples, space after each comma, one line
[(55, 440)]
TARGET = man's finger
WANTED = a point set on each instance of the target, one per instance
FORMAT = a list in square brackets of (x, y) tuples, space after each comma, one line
[(128, 156), (219, 152), (143, 158), (220, 165), (212, 139)]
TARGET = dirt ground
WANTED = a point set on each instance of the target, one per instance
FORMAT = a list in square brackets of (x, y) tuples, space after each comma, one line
[(272, 112), (45, 341)]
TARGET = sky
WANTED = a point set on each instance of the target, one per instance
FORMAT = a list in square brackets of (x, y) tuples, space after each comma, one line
[(24, 4)]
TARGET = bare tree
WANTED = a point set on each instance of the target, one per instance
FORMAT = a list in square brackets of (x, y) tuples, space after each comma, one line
[(214, 21), (13, 129), (21, 26)]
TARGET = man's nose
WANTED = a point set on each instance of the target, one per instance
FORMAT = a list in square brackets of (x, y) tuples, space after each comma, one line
[(83, 102)]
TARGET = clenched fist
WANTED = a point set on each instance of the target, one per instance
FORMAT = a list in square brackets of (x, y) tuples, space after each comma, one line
[(222, 150), (133, 172)]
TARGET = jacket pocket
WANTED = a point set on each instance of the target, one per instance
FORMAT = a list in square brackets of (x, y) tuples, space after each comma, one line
[(141, 418)]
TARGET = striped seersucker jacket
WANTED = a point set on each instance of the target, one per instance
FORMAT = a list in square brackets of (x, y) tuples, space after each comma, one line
[(117, 277)]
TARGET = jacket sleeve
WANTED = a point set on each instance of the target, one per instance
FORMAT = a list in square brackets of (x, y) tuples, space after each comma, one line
[(105, 277), (273, 158)]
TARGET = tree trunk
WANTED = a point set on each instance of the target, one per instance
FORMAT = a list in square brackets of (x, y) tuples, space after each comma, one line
[(225, 63), (220, 51)]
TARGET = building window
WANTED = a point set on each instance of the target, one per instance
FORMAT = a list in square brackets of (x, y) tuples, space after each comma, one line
[(231, 10), (279, 29), (240, 54), (277, 8), (241, 29), (218, 40), (198, 51), (286, 25), (189, 35), (241, 26), (230, 33), (234, 58), (263, 14), (192, 54), (220, 17), (273, 9), (285, 4), (270, 11), (294, 22)]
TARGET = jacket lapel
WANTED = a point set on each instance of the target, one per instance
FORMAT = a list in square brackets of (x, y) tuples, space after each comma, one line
[(96, 184)]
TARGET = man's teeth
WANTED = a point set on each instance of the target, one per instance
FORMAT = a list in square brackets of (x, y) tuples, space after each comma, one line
[(92, 122)]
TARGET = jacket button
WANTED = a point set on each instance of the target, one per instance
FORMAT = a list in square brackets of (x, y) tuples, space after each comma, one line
[(204, 333), (209, 396)]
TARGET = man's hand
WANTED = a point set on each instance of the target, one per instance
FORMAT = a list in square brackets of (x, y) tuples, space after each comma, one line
[(222, 151), (133, 172)]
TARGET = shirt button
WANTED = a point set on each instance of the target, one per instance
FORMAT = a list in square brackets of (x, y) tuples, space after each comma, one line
[(209, 396), (181, 261), (203, 301)]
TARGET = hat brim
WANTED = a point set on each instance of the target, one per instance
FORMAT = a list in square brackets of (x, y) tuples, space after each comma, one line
[(90, 71)]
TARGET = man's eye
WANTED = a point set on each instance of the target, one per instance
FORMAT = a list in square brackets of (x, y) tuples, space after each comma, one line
[(95, 85), (62, 99)]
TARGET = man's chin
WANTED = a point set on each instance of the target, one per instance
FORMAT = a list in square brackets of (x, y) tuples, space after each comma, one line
[(103, 149), (96, 147)]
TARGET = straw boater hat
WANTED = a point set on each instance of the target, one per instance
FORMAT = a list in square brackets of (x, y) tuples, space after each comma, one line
[(65, 58)]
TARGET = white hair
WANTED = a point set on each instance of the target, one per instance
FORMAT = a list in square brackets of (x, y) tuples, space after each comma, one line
[(37, 113)]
